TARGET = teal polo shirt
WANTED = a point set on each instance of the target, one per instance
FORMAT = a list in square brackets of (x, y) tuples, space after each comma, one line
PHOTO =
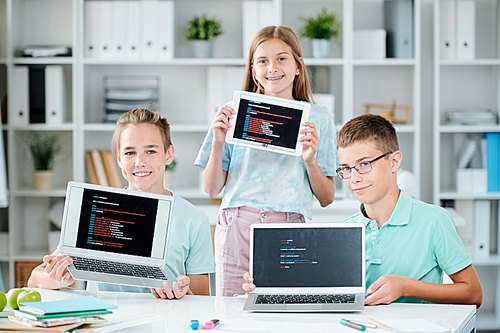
[(419, 241)]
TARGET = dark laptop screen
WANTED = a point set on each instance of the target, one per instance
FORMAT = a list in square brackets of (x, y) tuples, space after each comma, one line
[(308, 257)]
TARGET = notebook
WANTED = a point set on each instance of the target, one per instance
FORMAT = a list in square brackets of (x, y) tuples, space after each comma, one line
[(307, 267), (116, 236), (268, 123)]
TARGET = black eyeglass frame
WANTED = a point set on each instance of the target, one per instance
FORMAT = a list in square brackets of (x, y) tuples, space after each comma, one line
[(340, 172)]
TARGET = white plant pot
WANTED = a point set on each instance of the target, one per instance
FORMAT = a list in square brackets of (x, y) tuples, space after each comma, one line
[(42, 179), (202, 48), (320, 48), (167, 179)]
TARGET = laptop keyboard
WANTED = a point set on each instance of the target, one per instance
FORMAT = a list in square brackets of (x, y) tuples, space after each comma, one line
[(113, 267), (304, 299)]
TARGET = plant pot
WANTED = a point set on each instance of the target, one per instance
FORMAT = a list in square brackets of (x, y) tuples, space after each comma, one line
[(167, 179), (320, 48), (202, 48), (42, 179)]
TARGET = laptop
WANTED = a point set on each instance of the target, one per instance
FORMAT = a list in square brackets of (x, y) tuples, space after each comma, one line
[(116, 236), (307, 267), (267, 123)]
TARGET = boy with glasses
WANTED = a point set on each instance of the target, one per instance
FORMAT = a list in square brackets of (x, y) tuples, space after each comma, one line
[(408, 243)]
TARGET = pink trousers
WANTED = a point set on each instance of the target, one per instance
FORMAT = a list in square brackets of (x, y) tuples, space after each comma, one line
[(232, 244)]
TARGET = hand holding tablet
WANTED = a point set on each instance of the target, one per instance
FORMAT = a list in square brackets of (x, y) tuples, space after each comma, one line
[(268, 123)]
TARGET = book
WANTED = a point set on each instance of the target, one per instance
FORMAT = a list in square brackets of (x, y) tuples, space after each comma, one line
[(99, 167), (493, 161), (85, 303), (111, 169), (33, 316), (89, 161), (12, 326), (44, 323)]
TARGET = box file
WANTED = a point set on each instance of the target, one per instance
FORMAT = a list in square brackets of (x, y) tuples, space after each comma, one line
[(482, 218), (447, 47), (54, 95), (165, 30), (119, 21), (466, 29), (19, 101), (398, 20), (369, 44), (493, 161), (221, 83), (106, 20), (92, 29), (37, 94), (256, 15), (133, 30)]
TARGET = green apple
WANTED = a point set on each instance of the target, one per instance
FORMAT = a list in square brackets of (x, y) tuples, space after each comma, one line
[(3, 301), (28, 296), (12, 297)]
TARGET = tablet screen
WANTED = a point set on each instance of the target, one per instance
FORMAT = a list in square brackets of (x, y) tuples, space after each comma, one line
[(267, 124)]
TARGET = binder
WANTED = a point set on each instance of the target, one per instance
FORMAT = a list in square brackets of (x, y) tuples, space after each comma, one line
[(37, 94), (398, 20), (221, 83), (493, 161), (325, 100), (256, 15), (165, 30), (19, 96), (447, 47), (92, 29), (133, 28), (467, 154), (54, 94), (466, 29), (149, 29), (119, 23), (106, 21), (482, 218)]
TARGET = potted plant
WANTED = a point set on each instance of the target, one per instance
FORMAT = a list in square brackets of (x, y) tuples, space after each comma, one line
[(202, 30), (321, 29), (169, 174), (43, 150)]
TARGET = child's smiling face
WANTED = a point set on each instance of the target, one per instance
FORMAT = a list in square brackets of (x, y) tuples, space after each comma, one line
[(142, 158), (274, 67)]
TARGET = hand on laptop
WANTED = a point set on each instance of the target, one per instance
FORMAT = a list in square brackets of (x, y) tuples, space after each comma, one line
[(248, 286), (56, 266), (174, 293), (386, 289)]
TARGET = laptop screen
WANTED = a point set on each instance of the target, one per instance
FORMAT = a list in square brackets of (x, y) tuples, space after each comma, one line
[(116, 222), (308, 257)]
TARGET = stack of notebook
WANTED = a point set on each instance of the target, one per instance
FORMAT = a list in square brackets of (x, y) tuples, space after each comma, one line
[(61, 316)]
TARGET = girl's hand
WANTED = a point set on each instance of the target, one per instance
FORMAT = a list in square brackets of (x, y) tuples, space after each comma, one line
[(174, 293), (221, 125), (309, 141), (57, 268), (248, 286)]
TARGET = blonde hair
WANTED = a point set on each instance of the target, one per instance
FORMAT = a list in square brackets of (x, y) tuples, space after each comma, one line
[(301, 88), (372, 128), (137, 117)]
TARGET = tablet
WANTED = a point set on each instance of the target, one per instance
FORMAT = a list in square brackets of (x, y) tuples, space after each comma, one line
[(267, 123)]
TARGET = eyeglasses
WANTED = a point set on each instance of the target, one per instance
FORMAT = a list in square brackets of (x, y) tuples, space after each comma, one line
[(361, 168)]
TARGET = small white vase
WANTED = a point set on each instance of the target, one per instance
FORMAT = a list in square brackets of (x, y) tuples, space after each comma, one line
[(167, 179), (202, 48), (320, 48), (42, 179)]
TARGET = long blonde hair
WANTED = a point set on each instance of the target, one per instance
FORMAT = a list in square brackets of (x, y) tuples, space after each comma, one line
[(301, 89)]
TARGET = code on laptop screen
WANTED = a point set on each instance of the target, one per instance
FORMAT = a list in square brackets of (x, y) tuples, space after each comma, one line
[(308, 257)]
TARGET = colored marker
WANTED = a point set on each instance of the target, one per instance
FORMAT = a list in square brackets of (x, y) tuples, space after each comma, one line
[(210, 324), (194, 324), (349, 323)]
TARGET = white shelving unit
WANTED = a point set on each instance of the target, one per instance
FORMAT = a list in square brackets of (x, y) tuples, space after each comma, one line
[(470, 83), (183, 95)]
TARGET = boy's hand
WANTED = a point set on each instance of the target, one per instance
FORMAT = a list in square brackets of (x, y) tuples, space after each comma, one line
[(174, 293), (248, 286), (56, 266), (221, 125), (309, 141), (386, 289)]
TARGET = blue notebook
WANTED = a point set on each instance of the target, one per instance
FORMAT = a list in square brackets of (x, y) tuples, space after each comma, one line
[(86, 303)]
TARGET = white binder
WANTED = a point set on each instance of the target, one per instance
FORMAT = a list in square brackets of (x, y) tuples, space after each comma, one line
[(92, 29), (106, 19), (165, 37), (54, 95), (221, 83), (482, 219), (119, 23), (447, 46), (466, 29), (398, 19), (19, 96), (133, 29), (256, 15), (149, 29)]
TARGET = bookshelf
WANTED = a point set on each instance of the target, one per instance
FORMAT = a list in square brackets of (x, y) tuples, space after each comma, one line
[(464, 81), (352, 82)]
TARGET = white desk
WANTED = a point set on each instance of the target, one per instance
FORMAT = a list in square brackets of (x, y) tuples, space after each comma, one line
[(144, 313)]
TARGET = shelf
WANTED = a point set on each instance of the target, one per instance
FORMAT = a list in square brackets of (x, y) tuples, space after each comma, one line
[(169, 62), (44, 127), (4, 257), (384, 62), (486, 321), (3, 61), (473, 62), (451, 195), (493, 260), (43, 61), (31, 255), (469, 128), (40, 194), (405, 128), (324, 62), (174, 128)]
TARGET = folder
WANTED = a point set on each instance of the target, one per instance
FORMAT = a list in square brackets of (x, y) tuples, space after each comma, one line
[(447, 47), (118, 29), (85, 303), (255, 16), (149, 29), (466, 29), (37, 94), (493, 161), (482, 218), (54, 95), (165, 30), (221, 83), (92, 29), (133, 29), (19, 96), (398, 19), (106, 21)]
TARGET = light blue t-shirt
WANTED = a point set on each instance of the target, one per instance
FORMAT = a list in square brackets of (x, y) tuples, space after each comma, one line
[(419, 241), (189, 249), (273, 181)]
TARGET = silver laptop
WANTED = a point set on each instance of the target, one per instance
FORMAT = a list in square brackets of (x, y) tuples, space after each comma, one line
[(115, 235), (307, 267)]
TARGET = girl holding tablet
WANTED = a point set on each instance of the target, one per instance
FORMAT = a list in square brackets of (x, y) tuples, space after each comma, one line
[(262, 186)]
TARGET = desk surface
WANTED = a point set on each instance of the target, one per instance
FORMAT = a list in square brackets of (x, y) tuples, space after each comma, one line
[(144, 313)]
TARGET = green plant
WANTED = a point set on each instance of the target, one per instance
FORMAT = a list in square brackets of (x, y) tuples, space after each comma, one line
[(324, 25), (171, 166), (202, 27), (43, 150)]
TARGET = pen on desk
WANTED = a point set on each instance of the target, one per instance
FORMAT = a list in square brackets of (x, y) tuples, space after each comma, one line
[(381, 325), (194, 324), (350, 324), (210, 324)]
